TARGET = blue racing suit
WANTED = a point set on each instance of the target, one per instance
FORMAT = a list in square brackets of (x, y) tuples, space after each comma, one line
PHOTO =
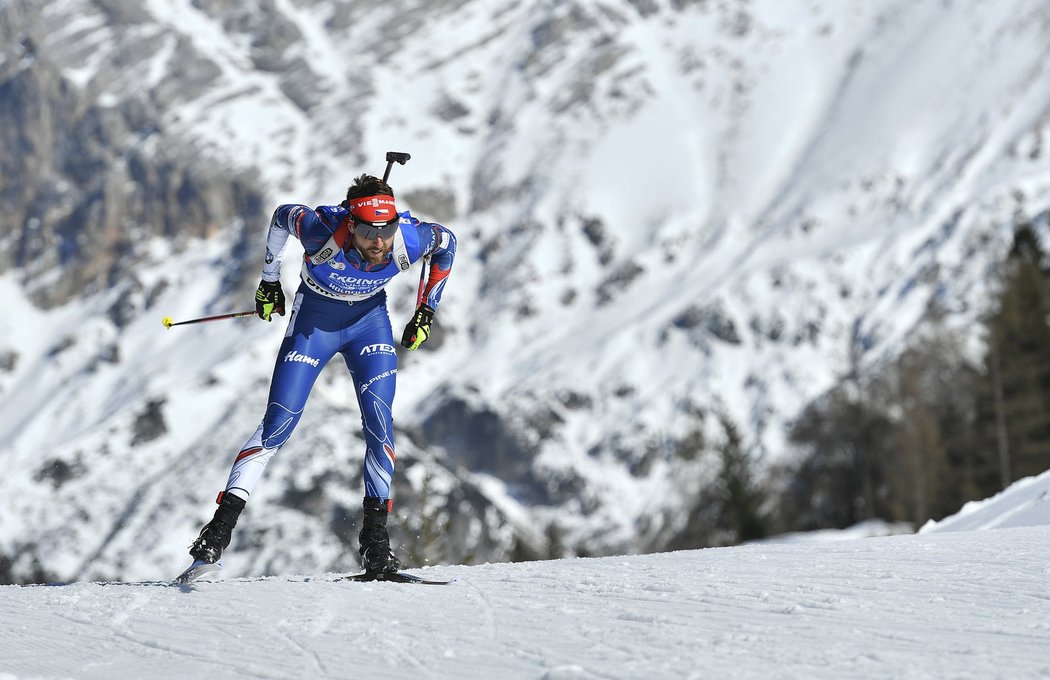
[(340, 307)]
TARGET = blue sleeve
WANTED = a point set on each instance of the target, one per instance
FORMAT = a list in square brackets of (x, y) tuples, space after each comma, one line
[(304, 224)]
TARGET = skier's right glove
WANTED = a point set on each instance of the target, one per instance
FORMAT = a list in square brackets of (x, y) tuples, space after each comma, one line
[(269, 298)]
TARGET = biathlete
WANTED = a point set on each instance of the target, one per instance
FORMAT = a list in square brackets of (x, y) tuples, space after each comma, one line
[(352, 251)]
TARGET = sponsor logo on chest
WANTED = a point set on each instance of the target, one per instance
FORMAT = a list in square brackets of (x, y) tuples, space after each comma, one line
[(353, 284)]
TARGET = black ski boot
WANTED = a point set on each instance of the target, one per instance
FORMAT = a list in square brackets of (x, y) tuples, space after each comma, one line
[(216, 534), (376, 555)]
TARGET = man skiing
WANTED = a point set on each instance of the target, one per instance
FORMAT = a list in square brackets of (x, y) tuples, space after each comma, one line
[(351, 252)]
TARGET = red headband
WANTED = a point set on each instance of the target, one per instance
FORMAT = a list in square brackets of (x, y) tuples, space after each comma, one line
[(379, 208)]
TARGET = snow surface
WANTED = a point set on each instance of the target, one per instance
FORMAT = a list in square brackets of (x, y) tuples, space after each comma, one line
[(960, 604)]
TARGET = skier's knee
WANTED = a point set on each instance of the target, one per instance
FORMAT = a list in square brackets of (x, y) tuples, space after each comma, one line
[(278, 425)]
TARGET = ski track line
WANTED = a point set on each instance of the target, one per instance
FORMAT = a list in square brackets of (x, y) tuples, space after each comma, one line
[(488, 612), (178, 652), (180, 641), (622, 656), (333, 611), (648, 628), (181, 653), (544, 652), (94, 642), (324, 613), (34, 650), (318, 663), (398, 645), (278, 640)]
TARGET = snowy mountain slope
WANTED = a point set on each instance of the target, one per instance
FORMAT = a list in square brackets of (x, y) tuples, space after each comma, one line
[(1024, 503), (666, 211), (959, 604)]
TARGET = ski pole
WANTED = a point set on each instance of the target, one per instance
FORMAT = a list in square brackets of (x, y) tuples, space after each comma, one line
[(168, 323), (422, 280)]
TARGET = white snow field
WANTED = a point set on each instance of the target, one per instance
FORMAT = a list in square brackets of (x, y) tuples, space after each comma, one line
[(940, 604)]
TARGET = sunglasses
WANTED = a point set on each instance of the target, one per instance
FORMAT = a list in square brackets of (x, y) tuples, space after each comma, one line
[(373, 230)]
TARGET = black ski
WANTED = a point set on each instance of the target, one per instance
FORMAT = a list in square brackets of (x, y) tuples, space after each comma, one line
[(397, 577), (200, 568)]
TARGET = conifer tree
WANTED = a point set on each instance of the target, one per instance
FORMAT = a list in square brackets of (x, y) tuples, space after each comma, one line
[(1014, 402), (742, 497)]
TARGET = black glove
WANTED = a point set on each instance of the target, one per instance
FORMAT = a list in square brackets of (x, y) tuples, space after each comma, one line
[(418, 329), (269, 298)]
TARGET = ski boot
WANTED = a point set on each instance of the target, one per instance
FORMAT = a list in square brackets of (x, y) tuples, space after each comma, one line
[(376, 555), (216, 534)]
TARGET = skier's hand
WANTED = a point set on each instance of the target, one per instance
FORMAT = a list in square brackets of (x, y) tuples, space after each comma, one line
[(418, 329), (269, 298)]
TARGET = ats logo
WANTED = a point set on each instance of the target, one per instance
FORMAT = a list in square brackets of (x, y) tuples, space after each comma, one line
[(381, 348)]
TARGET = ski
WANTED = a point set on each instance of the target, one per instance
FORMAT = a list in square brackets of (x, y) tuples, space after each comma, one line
[(199, 568), (195, 571), (397, 577)]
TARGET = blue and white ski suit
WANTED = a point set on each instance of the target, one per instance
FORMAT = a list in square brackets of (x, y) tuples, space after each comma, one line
[(340, 307)]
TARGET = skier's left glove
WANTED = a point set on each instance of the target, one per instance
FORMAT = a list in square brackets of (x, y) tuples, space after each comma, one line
[(269, 298), (418, 329)]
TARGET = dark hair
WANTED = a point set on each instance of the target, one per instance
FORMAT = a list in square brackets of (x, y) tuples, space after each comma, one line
[(367, 185)]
